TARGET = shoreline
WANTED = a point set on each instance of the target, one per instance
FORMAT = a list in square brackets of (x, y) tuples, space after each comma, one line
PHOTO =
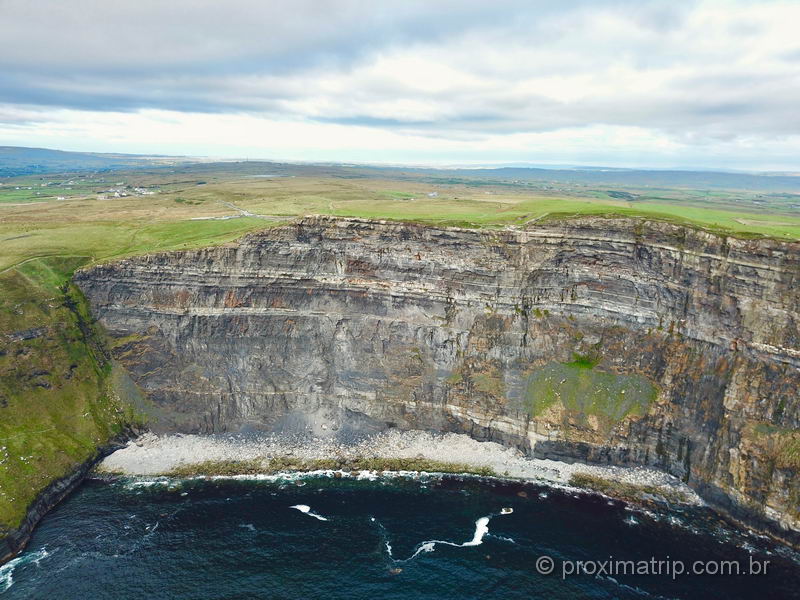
[(393, 451), (14, 542)]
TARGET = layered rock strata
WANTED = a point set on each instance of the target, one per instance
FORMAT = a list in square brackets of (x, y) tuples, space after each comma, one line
[(601, 340)]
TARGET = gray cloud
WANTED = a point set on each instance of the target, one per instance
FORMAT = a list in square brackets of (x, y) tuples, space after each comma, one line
[(471, 68)]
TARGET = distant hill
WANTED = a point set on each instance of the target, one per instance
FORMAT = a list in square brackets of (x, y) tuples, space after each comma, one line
[(627, 178), (15, 160)]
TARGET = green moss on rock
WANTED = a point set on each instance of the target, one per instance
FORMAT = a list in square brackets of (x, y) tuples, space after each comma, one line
[(625, 491), (784, 443), (274, 465), (454, 378), (489, 384), (583, 390)]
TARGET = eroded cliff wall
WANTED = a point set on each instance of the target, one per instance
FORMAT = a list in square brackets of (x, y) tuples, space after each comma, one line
[(604, 340)]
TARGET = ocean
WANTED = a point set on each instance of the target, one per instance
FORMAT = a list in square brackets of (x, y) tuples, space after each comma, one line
[(317, 536)]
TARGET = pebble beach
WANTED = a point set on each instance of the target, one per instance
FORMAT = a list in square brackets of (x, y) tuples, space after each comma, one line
[(154, 455)]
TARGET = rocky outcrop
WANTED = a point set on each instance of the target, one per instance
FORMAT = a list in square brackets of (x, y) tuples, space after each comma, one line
[(603, 340)]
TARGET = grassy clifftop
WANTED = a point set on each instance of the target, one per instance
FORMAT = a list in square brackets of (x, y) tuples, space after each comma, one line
[(56, 408), (58, 399), (181, 213)]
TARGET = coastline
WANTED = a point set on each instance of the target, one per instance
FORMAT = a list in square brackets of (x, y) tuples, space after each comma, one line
[(196, 455), (15, 540), (152, 459)]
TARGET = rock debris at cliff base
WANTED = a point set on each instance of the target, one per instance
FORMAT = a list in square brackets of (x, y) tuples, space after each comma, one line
[(153, 455)]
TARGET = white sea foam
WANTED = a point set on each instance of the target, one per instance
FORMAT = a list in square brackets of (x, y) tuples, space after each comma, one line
[(481, 529), (503, 538), (145, 483), (631, 588), (306, 509), (7, 570), (6, 575)]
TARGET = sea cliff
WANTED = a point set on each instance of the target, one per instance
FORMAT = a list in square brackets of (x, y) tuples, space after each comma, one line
[(615, 341)]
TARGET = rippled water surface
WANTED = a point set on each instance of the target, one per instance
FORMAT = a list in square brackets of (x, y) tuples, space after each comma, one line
[(321, 537)]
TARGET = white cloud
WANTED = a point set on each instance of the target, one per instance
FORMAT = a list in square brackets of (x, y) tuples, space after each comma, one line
[(248, 136), (617, 82)]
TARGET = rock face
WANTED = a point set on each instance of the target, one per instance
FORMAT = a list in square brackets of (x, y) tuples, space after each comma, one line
[(601, 340)]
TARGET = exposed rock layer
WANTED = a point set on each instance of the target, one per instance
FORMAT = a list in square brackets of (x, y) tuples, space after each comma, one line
[(530, 338)]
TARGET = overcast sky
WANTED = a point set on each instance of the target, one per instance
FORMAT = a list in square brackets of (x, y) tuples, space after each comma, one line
[(621, 83)]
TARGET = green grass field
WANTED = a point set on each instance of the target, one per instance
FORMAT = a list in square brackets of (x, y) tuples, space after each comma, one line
[(84, 225)]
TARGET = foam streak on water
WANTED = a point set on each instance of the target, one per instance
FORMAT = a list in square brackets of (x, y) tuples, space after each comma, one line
[(209, 539), (306, 509), (481, 529)]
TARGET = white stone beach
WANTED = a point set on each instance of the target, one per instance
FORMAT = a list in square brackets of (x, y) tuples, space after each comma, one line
[(152, 455)]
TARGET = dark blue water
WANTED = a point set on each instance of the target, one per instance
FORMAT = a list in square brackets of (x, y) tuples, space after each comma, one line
[(242, 540)]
